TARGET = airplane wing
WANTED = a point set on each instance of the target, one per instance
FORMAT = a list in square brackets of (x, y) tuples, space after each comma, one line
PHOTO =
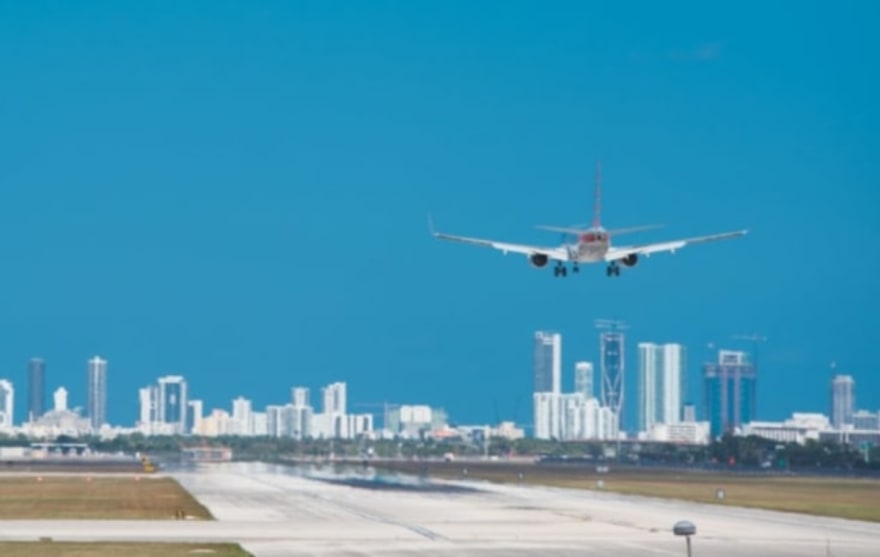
[(615, 253), (558, 253)]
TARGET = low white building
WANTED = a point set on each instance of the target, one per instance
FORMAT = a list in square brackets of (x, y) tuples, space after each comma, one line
[(691, 433), (797, 429)]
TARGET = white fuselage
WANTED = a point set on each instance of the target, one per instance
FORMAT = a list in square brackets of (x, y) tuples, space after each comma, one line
[(591, 246)]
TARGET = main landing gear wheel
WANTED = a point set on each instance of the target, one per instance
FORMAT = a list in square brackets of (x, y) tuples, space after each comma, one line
[(612, 270), (560, 271)]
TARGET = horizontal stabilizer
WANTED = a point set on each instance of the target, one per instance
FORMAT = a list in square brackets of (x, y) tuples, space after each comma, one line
[(619, 231), (562, 229), (615, 232)]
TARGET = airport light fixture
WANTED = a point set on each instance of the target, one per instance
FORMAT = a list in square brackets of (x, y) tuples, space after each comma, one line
[(687, 529)]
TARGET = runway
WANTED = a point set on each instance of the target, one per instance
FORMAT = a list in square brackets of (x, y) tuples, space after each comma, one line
[(273, 512)]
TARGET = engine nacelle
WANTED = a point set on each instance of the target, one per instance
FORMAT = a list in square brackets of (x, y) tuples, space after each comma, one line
[(630, 260), (538, 259)]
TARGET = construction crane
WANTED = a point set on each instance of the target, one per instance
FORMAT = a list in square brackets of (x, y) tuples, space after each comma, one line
[(755, 339)]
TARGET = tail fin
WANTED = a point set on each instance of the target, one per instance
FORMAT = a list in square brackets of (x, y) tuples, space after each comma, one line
[(597, 197)]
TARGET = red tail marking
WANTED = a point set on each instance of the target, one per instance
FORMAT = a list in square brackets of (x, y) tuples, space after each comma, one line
[(597, 197)]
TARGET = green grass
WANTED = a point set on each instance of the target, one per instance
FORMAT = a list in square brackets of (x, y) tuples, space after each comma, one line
[(77, 549), (835, 497), (96, 497)]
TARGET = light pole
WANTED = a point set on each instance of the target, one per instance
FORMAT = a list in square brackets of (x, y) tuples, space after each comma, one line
[(687, 529)]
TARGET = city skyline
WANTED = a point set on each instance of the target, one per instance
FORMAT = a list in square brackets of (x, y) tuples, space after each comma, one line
[(558, 373), (241, 199), (729, 388)]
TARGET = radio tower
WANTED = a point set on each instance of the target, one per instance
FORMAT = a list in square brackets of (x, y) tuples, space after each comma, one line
[(611, 350)]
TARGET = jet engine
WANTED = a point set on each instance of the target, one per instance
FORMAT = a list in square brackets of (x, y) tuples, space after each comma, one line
[(630, 260), (538, 259)]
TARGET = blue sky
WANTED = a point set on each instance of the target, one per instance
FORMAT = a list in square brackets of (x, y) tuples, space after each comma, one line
[(238, 193)]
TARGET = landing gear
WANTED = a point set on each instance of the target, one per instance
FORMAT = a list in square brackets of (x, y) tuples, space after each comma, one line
[(613, 270), (575, 268), (559, 270)]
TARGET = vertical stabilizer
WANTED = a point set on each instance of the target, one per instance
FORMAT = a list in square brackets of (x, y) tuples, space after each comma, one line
[(597, 197)]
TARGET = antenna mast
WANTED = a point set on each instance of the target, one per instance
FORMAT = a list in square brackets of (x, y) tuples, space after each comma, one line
[(597, 197)]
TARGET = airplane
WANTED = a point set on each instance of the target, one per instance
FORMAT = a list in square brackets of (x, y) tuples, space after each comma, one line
[(590, 245)]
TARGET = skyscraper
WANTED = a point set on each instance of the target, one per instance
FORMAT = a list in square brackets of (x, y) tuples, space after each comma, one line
[(297, 417), (842, 400), (194, 415), (547, 374), (334, 398), (97, 392), (172, 402), (547, 363), (7, 404), (300, 396), (730, 389), (583, 379), (149, 399), (242, 416), (60, 397), (36, 389), (548, 419), (661, 384), (611, 350)]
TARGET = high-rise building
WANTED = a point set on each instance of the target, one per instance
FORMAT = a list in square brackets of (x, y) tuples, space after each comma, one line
[(730, 390), (842, 400), (194, 415), (583, 379), (97, 392), (7, 404), (661, 384), (582, 418), (149, 400), (297, 418), (547, 362), (334, 398), (333, 422), (300, 396), (275, 423), (301, 419), (611, 350), (60, 397), (242, 416), (548, 418), (36, 389), (547, 374), (172, 402)]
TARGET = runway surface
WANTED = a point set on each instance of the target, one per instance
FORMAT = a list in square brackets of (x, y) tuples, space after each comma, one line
[(273, 512)]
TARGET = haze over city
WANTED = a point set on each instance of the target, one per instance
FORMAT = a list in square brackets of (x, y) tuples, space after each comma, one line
[(242, 199)]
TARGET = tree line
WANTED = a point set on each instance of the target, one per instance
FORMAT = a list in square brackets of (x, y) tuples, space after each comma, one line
[(726, 452)]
